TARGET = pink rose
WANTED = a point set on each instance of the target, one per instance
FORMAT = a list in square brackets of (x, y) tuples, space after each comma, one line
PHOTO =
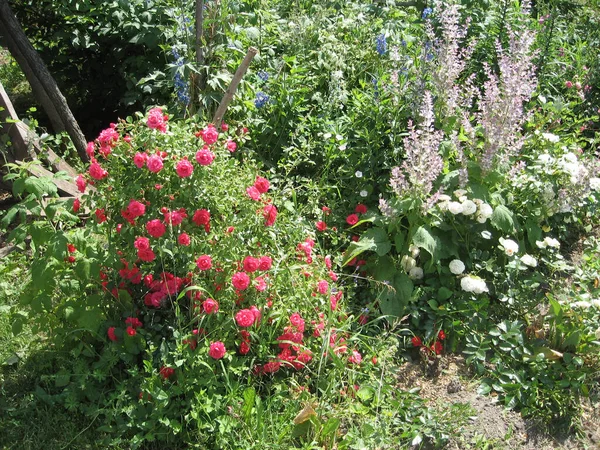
[(140, 159), (205, 157), (253, 193), (184, 168), (97, 172), (156, 228), (210, 135), (210, 306), (184, 239), (217, 350), (245, 318), (262, 184), (240, 281), (204, 262), (251, 264), (264, 263), (154, 163)]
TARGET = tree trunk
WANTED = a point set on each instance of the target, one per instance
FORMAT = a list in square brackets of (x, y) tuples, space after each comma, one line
[(22, 48)]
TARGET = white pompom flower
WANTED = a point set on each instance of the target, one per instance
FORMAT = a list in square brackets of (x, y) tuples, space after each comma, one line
[(456, 266), (474, 284)]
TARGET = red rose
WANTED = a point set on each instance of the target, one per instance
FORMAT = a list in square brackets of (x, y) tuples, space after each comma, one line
[(244, 348), (204, 262), (210, 135), (111, 334), (270, 215), (154, 163), (146, 255), (251, 264), (131, 331), (416, 341), (264, 263), (156, 228), (133, 322), (210, 306), (321, 226), (201, 217), (184, 239), (97, 172), (352, 219), (262, 185), (240, 281), (166, 372), (360, 209), (323, 287), (441, 335), (245, 318), (76, 205), (136, 209), (253, 193), (297, 321), (217, 350), (142, 243)]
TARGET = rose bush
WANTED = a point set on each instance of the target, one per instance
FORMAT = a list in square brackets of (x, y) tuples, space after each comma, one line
[(180, 281)]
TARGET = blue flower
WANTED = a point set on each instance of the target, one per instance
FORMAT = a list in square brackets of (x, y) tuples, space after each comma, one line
[(375, 87), (182, 87), (381, 44), (427, 11), (264, 76), (261, 99)]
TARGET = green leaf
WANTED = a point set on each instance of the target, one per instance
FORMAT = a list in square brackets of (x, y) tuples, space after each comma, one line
[(503, 219), (330, 427), (572, 340), (444, 293), (365, 393), (380, 239), (62, 378), (357, 248), (425, 240), (395, 298), (249, 397)]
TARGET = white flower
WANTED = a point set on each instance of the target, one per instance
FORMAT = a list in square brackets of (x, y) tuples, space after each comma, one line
[(545, 158), (456, 266), (472, 283), (529, 260), (570, 157), (486, 234), (343, 147), (416, 273), (363, 193), (596, 303), (551, 137), (444, 198), (597, 333), (358, 174), (468, 207), (595, 184), (459, 193), (455, 208), (548, 242), (414, 250), (581, 304), (408, 263), (485, 210), (326, 135), (510, 247)]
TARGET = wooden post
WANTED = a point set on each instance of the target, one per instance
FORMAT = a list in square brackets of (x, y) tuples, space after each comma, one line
[(20, 135), (22, 48), (239, 74)]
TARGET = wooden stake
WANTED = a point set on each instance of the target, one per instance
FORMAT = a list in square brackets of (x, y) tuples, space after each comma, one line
[(239, 74)]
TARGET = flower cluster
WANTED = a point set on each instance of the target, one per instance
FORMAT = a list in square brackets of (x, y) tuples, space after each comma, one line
[(188, 247)]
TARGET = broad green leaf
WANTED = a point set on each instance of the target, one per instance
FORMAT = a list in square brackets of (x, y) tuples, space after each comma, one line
[(503, 219), (381, 240), (425, 240)]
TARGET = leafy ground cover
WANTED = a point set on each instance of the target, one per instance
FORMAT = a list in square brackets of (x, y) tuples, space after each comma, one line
[(391, 240)]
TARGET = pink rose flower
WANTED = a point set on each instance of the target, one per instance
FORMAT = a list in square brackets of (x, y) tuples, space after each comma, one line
[(184, 168), (205, 157), (240, 281), (156, 228), (154, 163), (217, 350), (245, 318), (204, 262)]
